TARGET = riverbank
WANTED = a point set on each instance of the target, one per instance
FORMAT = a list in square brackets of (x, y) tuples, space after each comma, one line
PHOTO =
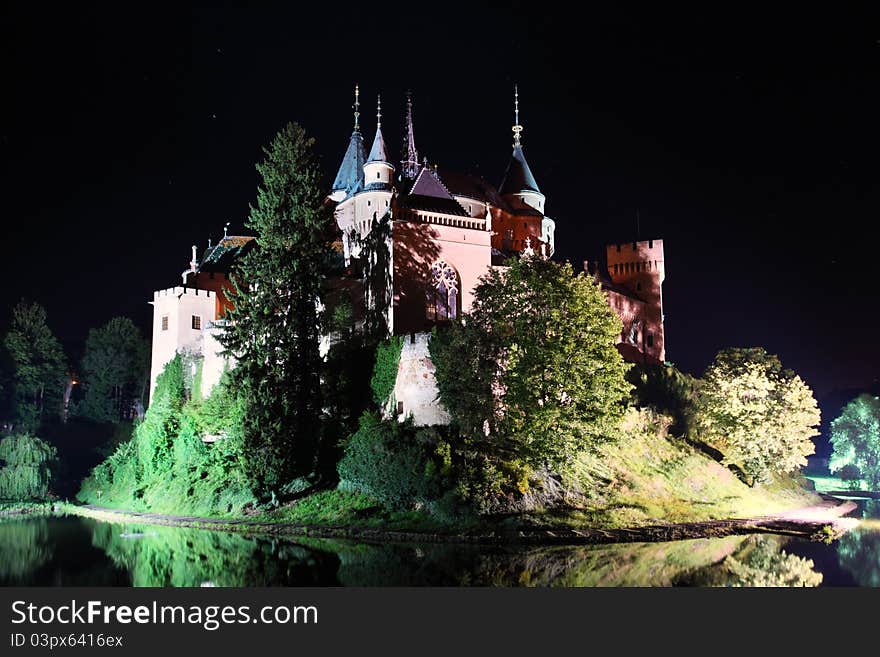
[(824, 521)]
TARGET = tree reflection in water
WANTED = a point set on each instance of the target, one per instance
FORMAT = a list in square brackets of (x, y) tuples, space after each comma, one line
[(858, 550), (79, 551), (25, 547)]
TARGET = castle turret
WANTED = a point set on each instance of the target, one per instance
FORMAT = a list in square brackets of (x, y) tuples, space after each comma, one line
[(378, 170), (349, 178), (518, 186)]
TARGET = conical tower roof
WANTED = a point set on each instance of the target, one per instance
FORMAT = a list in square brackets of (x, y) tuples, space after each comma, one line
[(378, 153), (518, 177), (351, 171)]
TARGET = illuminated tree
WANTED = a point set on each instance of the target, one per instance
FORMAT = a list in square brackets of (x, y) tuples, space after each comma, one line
[(760, 416), (275, 326), (39, 365), (855, 440), (531, 374)]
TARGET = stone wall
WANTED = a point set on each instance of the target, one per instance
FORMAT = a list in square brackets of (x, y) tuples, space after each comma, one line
[(415, 391)]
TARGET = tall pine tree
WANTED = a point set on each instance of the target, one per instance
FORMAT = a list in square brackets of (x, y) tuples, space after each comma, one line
[(275, 327)]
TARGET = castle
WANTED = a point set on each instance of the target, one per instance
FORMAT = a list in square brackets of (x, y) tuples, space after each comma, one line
[(442, 231)]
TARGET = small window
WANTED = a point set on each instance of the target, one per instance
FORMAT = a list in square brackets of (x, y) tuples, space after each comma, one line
[(197, 322), (650, 339), (377, 175), (368, 203), (164, 322), (525, 225), (400, 408)]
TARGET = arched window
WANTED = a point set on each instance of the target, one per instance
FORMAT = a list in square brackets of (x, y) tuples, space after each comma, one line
[(443, 293)]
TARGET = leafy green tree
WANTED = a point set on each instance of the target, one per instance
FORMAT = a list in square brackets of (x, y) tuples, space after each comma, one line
[(531, 375), (761, 416), (114, 369), (855, 440), (275, 327), (25, 473), (39, 366)]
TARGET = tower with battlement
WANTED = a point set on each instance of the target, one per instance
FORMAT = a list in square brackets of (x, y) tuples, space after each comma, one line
[(639, 269)]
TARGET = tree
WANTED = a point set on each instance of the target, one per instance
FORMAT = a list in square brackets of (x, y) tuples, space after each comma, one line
[(855, 440), (759, 415), (275, 326), (114, 369), (39, 366), (531, 374), (25, 473)]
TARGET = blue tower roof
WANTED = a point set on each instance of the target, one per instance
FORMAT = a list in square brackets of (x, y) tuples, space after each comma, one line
[(351, 170)]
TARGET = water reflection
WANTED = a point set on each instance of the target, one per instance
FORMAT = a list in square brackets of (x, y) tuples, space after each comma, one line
[(78, 551), (25, 548), (171, 556), (859, 551)]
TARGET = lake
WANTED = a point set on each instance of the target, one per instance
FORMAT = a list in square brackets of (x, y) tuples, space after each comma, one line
[(74, 551)]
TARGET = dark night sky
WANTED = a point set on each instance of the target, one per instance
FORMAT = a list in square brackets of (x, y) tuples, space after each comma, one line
[(748, 142)]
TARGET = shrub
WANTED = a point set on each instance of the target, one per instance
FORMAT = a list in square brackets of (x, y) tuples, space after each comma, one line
[(667, 390), (395, 464)]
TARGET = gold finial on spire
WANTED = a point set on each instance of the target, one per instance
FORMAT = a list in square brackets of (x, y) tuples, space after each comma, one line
[(517, 128), (357, 104), (378, 111)]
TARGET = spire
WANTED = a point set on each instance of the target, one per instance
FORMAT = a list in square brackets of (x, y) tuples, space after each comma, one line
[(518, 177), (409, 163), (378, 153), (517, 128), (351, 169), (357, 93)]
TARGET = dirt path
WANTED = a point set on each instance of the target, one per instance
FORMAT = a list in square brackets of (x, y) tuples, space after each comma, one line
[(823, 521)]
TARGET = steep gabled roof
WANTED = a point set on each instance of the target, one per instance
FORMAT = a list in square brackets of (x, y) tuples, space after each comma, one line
[(518, 177), (351, 171), (428, 193)]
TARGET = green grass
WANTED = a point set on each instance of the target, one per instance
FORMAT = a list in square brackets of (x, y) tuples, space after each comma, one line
[(336, 508), (648, 477), (8, 508)]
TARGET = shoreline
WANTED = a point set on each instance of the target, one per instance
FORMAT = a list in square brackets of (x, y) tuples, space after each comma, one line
[(825, 521)]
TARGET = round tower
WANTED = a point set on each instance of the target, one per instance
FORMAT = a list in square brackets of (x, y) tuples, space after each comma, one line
[(378, 170)]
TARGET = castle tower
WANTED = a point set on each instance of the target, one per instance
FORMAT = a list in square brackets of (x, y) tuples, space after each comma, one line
[(518, 186), (639, 268), (378, 170), (350, 178)]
